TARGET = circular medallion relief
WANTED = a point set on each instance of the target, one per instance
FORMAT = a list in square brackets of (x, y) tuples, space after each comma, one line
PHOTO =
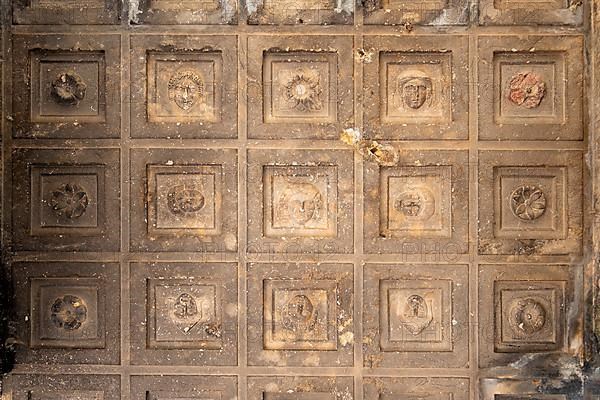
[(526, 316), (528, 202), (68, 312), (68, 89)]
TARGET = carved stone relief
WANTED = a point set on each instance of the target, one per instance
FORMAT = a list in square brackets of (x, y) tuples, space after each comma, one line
[(416, 87), (414, 315), (186, 315), (300, 315), (185, 87), (300, 201), (66, 313), (184, 199), (528, 316), (415, 201), (300, 87)]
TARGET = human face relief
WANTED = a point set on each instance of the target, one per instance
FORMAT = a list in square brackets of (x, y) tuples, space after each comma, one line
[(415, 92), (185, 88)]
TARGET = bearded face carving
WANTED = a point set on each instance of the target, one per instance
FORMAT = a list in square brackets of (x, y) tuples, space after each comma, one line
[(186, 88)]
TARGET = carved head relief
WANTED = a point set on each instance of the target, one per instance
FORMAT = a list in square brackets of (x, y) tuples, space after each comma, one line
[(69, 200), (527, 89), (526, 317), (528, 202), (415, 314), (185, 88), (68, 312), (68, 89), (185, 199), (299, 314), (303, 90), (301, 203), (414, 89)]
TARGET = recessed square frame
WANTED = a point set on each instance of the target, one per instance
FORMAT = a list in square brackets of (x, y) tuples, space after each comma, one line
[(146, 350), (534, 276), (144, 165), (44, 222), (303, 12), (320, 295), (304, 274), (64, 386), (218, 50), (456, 180), (260, 162), (28, 280), (47, 292), (450, 351), (513, 389), (565, 54), (71, 12), (539, 12), (30, 50), (450, 54), (549, 295), (46, 66), (567, 239), (279, 183), (552, 183), (29, 233), (428, 12), (274, 70), (414, 388), (165, 387), (297, 388), (332, 49), (188, 12)]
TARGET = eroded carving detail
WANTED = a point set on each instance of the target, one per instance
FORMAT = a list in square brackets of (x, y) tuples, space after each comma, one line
[(415, 314), (185, 306), (528, 202), (185, 88), (186, 312), (299, 314), (416, 202), (527, 317), (185, 199), (527, 89), (304, 91), (68, 312), (68, 89), (300, 203), (415, 90), (69, 200)]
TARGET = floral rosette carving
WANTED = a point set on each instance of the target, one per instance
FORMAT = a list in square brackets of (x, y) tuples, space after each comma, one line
[(304, 91), (527, 317), (68, 89), (528, 202), (527, 89), (69, 200), (68, 312)]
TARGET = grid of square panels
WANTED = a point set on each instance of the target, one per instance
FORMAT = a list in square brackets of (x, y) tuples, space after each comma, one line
[(245, 241)]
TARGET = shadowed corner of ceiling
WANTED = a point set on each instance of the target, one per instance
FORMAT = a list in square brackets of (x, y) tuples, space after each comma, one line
[(7, 326)]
